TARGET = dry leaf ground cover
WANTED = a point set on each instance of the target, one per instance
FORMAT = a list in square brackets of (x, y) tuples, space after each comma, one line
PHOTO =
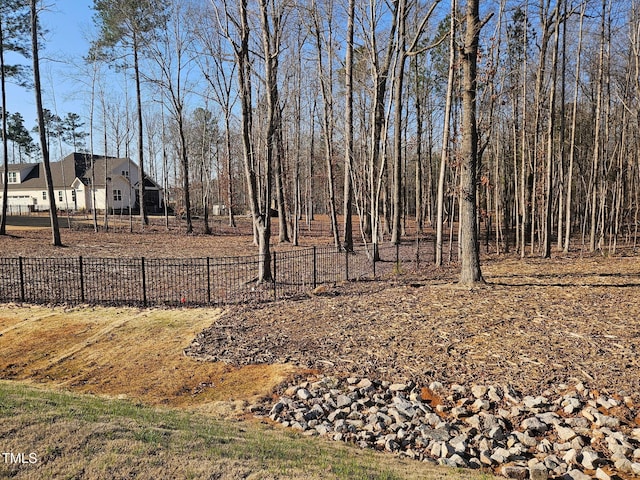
[(535, 323)]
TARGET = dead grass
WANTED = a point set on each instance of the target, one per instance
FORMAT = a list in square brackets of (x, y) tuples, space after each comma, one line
[(83, 436), (125, 353)]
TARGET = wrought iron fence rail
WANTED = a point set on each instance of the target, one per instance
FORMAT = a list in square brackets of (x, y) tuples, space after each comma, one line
[(196, 281)]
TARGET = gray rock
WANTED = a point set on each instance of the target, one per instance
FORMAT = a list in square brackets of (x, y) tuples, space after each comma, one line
[(552, 462), (606, 402), (602, 475), (576, 474), (577, 422), (474, 463), (537, 471), (570, 456), (500, 455), (624, 465), (397, 387), (337, 415), (606, 421), (474, 421), (494, 394), (578, 443), (460, 412), (562, 447), (446, 450), (478, 391), (565, 434), (535, 403), (436, 387), (534, 425), (365, 383), (526, 439), (624, 449), (549, 418), (457, 461), (589, 413), (303, 394), (343, 401), (459, 443), (514, 471), (480, 404), (544, 446), (489, 421), (590, 459), (571, 405)]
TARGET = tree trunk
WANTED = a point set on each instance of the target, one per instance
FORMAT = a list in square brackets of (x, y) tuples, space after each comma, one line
[(595, 166), (348, 160), (470, 260), (144, 220), (550, 143), (5, 140), (53, 214), (572, 144), (444, 152)]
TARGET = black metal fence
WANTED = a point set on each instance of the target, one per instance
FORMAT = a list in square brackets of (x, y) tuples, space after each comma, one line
[(196, 281)]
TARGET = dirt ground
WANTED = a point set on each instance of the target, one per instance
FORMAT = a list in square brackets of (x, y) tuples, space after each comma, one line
[(535, 323)]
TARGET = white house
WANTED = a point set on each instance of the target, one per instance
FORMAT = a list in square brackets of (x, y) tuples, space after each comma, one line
[(77, 180)]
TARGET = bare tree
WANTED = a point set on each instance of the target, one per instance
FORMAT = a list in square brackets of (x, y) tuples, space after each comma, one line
[(44, 147), (444, 151), (324, 40), (404, 49), (235, 26), (169, 51), (470, 272), (348, 129)]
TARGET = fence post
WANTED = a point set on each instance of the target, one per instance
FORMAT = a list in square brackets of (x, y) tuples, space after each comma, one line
[(208, 280), (21, 270), (315, 261), (144, 284), (81, 269), (435, 246), (373, 259), (346, 264), (275, 294)]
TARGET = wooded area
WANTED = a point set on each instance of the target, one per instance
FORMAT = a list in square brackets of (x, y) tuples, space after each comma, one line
[(519, 118)]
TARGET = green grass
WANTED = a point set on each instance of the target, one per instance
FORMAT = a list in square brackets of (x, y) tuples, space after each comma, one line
[(80, 436)]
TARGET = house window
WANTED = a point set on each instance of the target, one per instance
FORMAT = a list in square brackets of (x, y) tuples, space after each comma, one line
[(44, 195), (73, 195), (60, 195), (125, 173), (13, 177), (117, 195)]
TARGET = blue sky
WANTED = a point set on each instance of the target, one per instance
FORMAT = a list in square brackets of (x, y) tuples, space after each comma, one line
[(69, 24)]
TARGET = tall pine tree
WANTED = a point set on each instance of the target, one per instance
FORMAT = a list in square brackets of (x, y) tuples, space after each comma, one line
[(125, 26)]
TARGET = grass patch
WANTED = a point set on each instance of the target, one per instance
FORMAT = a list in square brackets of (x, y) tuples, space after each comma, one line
[(82, 436)]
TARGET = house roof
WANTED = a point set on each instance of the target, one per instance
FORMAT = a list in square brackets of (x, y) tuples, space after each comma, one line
[(64, 172), (18, 167)]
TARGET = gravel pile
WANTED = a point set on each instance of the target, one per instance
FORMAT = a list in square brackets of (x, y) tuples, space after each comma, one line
[(568, 432)]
